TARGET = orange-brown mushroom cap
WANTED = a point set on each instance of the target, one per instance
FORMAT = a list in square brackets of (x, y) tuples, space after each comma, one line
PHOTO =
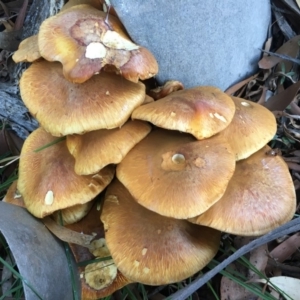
[(251, 128), (28, 50), (84, 41), (201, 111), (96, 149), (172, 174), (47, 180), (150, 248), (260, 197), (62, 107)]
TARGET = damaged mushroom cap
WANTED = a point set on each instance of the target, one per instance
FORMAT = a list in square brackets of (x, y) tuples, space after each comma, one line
[(53, 184), (62, 107), (150, 248), (99, 275), (173, 175), (260, 197), (92, 225), (251, 128), (28, 50), (96, 149), (84, 41), (201, 111)]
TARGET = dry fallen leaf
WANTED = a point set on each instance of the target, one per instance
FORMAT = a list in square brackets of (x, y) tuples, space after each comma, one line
[(231, 290), (289, 286), (290, 48), (67, 235), (283, 99)]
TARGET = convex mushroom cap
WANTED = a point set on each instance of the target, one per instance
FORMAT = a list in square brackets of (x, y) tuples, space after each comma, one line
[(47, 180), (96, 149), (200, 111), (175, 175), (62, 107), (251, 128), (150, 248), (84, 41), (260, 197)]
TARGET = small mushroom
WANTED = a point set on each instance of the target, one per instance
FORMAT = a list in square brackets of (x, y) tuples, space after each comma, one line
[(62, 107), (28, 50), (175, 175), (201, 111), (150, 248), (260, 197), (165, 90), (96, 149), (52, 184)]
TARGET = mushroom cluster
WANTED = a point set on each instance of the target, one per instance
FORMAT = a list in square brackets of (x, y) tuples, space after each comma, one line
[(189, 165)]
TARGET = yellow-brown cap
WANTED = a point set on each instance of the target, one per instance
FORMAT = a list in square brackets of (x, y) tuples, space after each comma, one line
[(63, 107), (96, 149), (72, 214), (28, 50), (47, 180), (150, 248), (201, 111), (260, 197), (172, 174), (251, 128), (84, 41)]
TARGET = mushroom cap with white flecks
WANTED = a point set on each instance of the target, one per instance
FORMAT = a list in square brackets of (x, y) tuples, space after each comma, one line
[(104, 101), (251, 128), (201, 111), (84, 40), (260, 197), (47, 180), (175, 175), (150, 248)]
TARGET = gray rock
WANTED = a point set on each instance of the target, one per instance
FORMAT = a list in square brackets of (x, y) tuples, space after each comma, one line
[(199, 42)]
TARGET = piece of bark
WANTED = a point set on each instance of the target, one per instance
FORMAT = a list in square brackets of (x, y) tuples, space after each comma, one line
[(12, 109), (14, 112)]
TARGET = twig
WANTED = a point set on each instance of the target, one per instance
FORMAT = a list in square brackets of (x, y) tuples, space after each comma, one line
[(283, 56), (285, 229)]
